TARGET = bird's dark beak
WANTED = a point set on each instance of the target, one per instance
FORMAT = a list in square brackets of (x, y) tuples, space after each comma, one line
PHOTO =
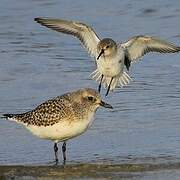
[(106, 105), (102, 51)]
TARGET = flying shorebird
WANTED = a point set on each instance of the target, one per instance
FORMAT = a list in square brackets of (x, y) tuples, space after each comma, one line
[(111, 57), (63, 117)]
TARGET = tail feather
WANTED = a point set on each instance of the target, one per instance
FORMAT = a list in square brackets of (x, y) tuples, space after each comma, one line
[(96, 75), (124, 79), (11, 117), (127, 77), (8, 115), (120, 80), (18, 118)]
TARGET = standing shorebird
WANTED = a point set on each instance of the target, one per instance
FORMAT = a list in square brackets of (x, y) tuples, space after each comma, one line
[(62, 118), (111, 57)]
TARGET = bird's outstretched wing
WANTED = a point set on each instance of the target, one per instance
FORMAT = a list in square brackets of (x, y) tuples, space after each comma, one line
[(82, 31), (138, 46)]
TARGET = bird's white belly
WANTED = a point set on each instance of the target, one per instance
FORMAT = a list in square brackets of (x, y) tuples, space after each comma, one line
[(63, 130), (113, 65), (109, 68)]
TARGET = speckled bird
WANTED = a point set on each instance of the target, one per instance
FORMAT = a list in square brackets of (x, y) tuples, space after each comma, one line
[(110, 57), (63, 117)]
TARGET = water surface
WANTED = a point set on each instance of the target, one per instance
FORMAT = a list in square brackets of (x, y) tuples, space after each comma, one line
[(38, 64)]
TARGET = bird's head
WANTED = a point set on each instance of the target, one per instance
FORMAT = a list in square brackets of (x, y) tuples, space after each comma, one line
[(106, 47), (90, 98)]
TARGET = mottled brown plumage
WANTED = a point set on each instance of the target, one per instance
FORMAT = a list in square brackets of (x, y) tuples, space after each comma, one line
[(63, 117), (48, 113), (68, 106)]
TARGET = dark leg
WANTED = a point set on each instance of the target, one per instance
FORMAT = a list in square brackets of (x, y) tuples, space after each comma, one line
[(64, 152), (99, 88), (109, 86), (56, 152)]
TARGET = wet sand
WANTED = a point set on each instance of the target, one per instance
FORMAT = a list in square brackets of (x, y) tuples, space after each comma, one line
[(86, 171), (139, 139)]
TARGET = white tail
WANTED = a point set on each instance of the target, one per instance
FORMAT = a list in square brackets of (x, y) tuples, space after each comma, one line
[(120, 80)]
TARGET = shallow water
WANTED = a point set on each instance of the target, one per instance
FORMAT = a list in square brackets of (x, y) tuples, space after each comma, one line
[(37, 64)]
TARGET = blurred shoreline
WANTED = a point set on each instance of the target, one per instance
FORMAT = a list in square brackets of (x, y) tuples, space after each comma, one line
[(90, 171)]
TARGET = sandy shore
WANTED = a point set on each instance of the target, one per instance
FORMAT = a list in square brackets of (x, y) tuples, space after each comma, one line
[(83, 171)]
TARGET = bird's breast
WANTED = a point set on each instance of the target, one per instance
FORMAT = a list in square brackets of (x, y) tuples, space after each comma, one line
[(110, 66), (63, 130)]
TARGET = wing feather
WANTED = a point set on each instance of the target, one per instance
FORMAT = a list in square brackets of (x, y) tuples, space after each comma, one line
[(138, 46), (83, 32)]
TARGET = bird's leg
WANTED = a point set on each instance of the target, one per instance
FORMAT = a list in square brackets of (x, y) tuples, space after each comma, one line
[(64, 152), (109, 86), (99, 88), (56, 152)]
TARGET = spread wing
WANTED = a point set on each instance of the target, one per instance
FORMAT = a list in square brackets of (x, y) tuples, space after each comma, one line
[(83, 32), (138, 46)]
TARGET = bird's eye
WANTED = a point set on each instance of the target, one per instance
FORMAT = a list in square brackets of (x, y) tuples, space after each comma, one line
[(90, 98), (107, 46)]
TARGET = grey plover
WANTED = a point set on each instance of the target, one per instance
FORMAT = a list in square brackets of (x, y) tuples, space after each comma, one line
[(63, 117), (111, 57)]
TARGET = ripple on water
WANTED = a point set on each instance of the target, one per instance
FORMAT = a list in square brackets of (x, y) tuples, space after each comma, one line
[(142, 131)]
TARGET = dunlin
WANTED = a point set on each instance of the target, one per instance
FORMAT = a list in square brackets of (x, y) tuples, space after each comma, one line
[(110, 56), (62, 118)]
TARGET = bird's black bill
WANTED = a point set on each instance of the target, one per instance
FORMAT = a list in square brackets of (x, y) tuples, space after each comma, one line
[(106, 105), (102, 51)]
